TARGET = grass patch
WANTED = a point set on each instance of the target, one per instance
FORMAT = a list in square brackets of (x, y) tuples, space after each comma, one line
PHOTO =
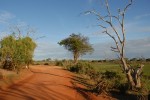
[(103, 66), (146, 69), (110, 76)]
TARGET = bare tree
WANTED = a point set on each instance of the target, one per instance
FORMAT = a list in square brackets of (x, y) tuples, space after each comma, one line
[(19, 30), (119, 38)]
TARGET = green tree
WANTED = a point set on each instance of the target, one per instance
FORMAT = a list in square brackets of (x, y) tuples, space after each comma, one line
[(16, 51), (77, 44), (29, 45)]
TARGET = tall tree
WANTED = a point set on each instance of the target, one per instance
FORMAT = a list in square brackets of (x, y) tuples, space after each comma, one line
[(77, 44), (118, 35)]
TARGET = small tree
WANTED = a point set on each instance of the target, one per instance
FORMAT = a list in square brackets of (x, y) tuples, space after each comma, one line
[(77, 44), (119, 38), (16, 51)]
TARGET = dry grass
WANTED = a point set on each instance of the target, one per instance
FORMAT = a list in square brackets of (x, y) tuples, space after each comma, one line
[(7, 78), (5, 74)]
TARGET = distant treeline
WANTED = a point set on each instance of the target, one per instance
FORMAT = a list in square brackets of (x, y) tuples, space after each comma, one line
[(117, 60), (104, 60)]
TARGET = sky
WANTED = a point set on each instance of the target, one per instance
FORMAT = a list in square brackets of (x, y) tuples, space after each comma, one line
[(54, 20)]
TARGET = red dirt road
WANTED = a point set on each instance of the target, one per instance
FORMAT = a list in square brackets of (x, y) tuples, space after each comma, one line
[(45, 83)]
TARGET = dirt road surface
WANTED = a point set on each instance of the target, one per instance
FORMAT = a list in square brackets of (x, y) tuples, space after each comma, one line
[(45, 83)]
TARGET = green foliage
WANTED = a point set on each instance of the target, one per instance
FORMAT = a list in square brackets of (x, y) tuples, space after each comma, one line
[(58, 63), (111, 75), (106, 81), (81, 67), (28, 46), (46, 63), (77, 44), (18, 50), (114, 79)]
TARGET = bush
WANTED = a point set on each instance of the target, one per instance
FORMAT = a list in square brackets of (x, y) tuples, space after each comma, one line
[(74, 69), (111, 75), (82, 68), (16, 51), (58, 63), (78, 68), (107, 81), (46, 63)]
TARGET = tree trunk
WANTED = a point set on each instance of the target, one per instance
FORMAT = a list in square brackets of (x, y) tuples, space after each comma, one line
[(130, 79), (76, 56), (27, 65), (128, 72), (133, 75), (137, 76), (138, 83)]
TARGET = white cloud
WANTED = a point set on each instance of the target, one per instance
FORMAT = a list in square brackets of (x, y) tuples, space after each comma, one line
[(138, 48), (145, 29), (101, 51), (5, 17), (135, 27), (50, 50), (133, 48), (142, 16)]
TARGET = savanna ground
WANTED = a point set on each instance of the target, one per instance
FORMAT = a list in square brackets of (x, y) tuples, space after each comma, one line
[(44, 81)]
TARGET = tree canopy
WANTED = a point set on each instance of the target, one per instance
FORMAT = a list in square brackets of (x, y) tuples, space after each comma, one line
[(77, 44)]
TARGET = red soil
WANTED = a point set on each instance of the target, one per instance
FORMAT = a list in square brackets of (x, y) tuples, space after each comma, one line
[(47, 83)]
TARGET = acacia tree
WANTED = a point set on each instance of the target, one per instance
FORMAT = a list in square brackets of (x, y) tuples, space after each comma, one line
[(77, 44), (118, 35)]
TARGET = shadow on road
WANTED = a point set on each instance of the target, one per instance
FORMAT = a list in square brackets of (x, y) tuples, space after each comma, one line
[(43, 85)]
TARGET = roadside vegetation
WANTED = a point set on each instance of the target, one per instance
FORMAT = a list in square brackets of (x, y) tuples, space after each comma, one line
[(105, 76)]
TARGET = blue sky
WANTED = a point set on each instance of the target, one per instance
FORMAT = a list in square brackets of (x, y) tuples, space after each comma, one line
[(57, 19)]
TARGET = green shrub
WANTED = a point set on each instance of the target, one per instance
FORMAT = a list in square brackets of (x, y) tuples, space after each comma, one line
[(58, 63), (46, 63), (36, 63), (74, 69), (78, 68), (108, 80), (81, 67), (111, 75)]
